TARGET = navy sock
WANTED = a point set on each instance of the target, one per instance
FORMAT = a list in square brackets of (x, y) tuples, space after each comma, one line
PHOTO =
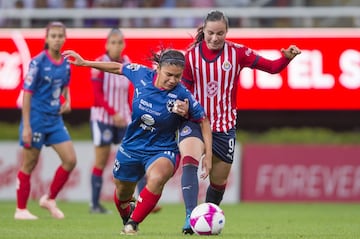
[(214, 195), (190, 187), (96, 185)]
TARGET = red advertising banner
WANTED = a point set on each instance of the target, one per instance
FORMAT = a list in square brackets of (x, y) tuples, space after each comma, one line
[(300, 173), (325, 76)]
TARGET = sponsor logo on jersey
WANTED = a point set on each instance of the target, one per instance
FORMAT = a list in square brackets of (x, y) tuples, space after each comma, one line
[(148, 121), (145, 103)]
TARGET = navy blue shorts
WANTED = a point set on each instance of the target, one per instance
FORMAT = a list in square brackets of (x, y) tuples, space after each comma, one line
[(131, 167), (46, 130), (105, 134), (223, 142)]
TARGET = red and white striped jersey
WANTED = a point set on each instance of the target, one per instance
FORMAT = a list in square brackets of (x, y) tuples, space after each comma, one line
[(212, 76), (110, 94), (214, 81)]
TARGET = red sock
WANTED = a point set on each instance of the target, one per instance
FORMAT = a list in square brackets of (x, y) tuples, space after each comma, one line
[(23, 189), (145, 203), (97, 172), (123, 207), (60, 178)]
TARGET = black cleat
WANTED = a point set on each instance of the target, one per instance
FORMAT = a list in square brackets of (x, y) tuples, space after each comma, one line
[(130, 228), (126, 218)]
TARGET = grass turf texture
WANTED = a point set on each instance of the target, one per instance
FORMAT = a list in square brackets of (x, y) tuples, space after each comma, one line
[(243, 221)]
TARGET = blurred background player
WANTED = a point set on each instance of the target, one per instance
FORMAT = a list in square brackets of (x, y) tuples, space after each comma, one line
[(150, 143), (211, 72), (110, 113), (46, 82)]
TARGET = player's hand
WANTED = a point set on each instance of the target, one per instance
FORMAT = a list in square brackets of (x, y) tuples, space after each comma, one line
[(119, 121), (291, 52), (181, 108), (65, 108), (206, 164), (27, 136), (74, 58)]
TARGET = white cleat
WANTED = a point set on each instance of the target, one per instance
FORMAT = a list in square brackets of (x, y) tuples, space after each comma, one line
[(131, 228), (24, 214), (50, 204)]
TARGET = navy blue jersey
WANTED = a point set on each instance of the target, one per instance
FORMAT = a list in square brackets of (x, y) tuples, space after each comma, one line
[(154, 125), (46, 80)]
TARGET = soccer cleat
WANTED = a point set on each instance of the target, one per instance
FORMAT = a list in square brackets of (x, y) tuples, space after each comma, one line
[(24, 214), (126, 218), (186, 230), (130, 228), (50, 204), (99, 210)]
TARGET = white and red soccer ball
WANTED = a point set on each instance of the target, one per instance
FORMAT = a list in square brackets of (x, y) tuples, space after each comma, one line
[(207, 219)]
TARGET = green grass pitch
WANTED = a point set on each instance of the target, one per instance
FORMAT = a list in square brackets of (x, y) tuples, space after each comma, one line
[(243, 221)]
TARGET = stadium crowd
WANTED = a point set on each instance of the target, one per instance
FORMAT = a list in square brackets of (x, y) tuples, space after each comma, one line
[(138, 22)]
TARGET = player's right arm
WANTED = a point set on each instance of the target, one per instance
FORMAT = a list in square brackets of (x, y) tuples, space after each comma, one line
[(76, 59)]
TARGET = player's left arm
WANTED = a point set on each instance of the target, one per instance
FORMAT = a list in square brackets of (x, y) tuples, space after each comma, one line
[(276, 66), (66, 105)]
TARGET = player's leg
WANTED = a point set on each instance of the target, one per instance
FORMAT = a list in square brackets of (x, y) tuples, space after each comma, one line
[(191, 149), (58, 137), (103, 136), (218, 179), (123, 195), (140, 186), (159, 169), (30, 159), (66, 152), (223, 155), (125, 178), (101, 157)]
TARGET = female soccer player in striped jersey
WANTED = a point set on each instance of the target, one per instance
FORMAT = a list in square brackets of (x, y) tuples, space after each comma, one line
[(211, 73), (45, 83), (150, 145)]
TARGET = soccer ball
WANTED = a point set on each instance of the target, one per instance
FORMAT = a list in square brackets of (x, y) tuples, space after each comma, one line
[(207, 219)]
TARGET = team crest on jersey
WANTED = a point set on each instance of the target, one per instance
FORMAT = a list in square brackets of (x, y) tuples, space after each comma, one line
[(170, 105), (133, 67), (185, 131), (248, 52), (212, 88), (226, 66), (107, 135)]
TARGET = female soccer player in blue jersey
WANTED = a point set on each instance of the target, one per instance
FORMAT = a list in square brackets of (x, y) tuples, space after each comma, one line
[(150, 146), (45, 83)]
